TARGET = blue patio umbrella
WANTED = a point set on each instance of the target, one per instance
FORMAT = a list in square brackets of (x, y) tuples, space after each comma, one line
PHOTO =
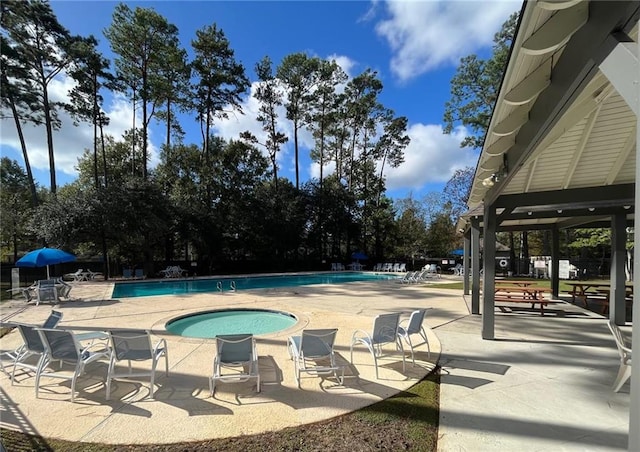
[(359, 256), (45, 257), (458, 252)]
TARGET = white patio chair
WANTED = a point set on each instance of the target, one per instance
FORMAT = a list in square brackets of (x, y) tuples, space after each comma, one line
[(46, 291), (62, 345), (412, 326), (385, 331), (238, 353), (312, 352), (624, 350), (16, 354), (28, 356), (135, 345)]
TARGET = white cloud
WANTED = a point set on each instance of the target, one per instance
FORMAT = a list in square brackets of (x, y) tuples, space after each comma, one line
[(70, 141), (236, 123), (426, 34), (431, 157)]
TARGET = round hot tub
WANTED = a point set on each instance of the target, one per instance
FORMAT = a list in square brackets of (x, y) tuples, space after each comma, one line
[(209, 324)]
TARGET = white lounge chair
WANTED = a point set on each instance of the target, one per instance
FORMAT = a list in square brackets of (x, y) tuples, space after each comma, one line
[(135, 345), (238, 353), (411, 326), (62, 346), (407, 278), (29, 355), (312, 352), (385, 331), (46, 291), (624, 350), (16, 355), (78, 275)]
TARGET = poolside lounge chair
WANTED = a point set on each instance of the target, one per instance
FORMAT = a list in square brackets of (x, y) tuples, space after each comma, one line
[(46, 291), (312, 352), (408, 277), (63, 346), (403, 267), (624, 350), (139, 273), (78, 275), (238, 353), (414, 326), (91, 275), (385, 331), (15, 355), (135, 345), (64, 289), (127, 273), (26, 292), (25, 354)]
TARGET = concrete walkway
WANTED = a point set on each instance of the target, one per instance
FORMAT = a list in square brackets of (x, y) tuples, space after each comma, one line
[(544, 384)]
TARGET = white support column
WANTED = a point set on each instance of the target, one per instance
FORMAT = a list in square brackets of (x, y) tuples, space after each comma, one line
[(622, 68), (634, 411)]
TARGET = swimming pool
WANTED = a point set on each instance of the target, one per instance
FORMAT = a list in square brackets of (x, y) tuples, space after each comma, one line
[(178, 287), (209, 324)]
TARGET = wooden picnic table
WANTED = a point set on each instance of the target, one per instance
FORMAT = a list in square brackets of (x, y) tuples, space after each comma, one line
[(596, 290), (514, 282), (522, 294)]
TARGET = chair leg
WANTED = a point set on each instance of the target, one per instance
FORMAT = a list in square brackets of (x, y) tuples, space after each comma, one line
[(423, 333), (153, 376), (623, 375), (109, 377)]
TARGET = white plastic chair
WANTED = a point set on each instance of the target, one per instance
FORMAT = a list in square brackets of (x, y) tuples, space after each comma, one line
[(236, 352), (312, 352), (62, 345), (624, 350), (135, 345), (32, 344), (411, 326), (385, 331)]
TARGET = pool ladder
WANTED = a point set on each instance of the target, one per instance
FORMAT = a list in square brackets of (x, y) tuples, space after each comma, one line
[(232, 286)]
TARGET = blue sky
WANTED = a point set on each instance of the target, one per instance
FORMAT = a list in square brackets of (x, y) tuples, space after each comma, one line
[(414, 45)]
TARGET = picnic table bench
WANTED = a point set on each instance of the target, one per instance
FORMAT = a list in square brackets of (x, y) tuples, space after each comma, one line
[(595, 292), (519, 294)]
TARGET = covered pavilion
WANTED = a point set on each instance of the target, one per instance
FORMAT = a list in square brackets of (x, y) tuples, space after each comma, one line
[(562, 147)]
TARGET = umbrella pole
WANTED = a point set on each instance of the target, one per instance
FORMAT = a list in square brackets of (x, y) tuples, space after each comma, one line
[(48, 272)]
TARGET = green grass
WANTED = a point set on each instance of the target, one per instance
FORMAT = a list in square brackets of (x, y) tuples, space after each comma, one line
[(407, 421)]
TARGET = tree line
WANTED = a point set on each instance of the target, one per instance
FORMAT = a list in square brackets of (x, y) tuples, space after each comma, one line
[(216, 201)]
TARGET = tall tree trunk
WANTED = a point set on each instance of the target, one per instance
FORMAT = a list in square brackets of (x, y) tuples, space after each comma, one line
[(95, 130), (295, 145), (145, 125), (133, 140), (25, 155), (168, 141), (49, 131)]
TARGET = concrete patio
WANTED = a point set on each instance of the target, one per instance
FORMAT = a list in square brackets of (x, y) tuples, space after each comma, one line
[(543, 384)]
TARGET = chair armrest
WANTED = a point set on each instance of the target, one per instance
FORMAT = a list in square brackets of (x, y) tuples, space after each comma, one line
[(363, 335), (160, 345)]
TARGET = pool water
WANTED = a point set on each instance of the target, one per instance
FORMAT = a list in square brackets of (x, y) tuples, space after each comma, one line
[(184, 286), (231, 321)]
